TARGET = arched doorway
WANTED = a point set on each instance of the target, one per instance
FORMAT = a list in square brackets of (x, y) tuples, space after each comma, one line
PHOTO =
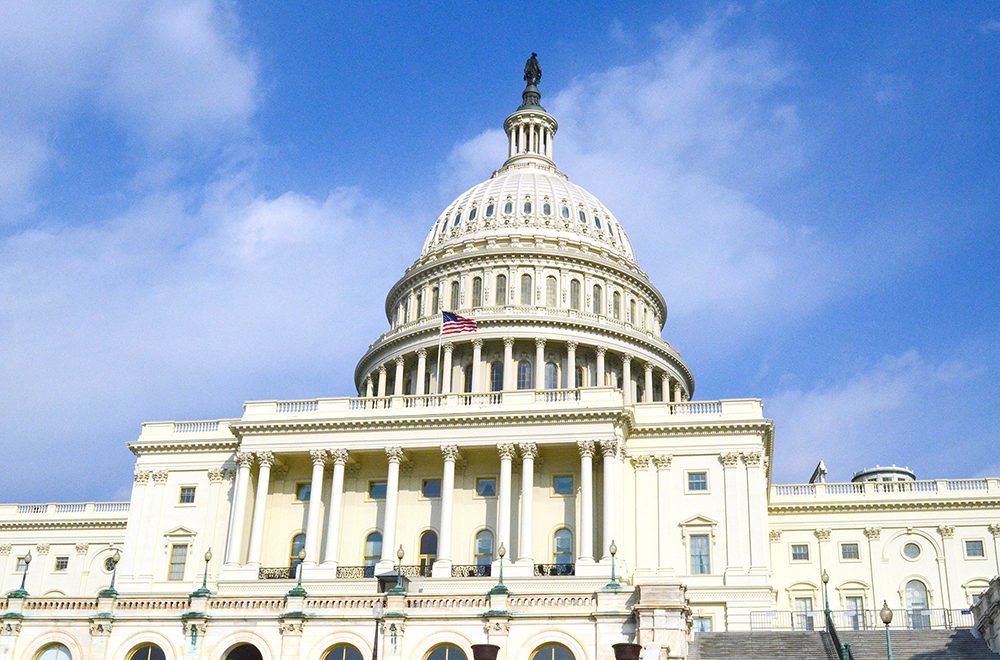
[(917, 604), (553, 651), (244, 652), (428, 552)]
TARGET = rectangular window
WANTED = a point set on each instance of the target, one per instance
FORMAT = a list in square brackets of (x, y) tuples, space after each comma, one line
[(974, 549), (697, 481), (804, 614), (376, 490), (22, 565), (562, 484), (702, 624), (431, 488), (856, 612), (849, 551), (303, 491), (486, 487), (178, 557), (700, 564), (62, 563), (186, 495), (800, 552)]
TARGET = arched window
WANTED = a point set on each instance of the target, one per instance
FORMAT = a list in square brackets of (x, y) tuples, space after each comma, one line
[(553, 652), (296, 546), (496, 376), (484, 547), (616, 305), (565, 212), (574, 294), (597, 221), (472, 214), (458, 219), (527, 206), (583, 217), (244, 652), (631, 312), (467, 374), (524, 372), (343, 652), (54, 652), (373, 552), (428, 552), (551, 376), (598, 300), (446, 652), (546, 209), (489, 210), (526, 297), (435, 300), (477, 292), (501, 290), (581, 376), (562, 547), (147, 652), (551, 292), (454, 295), (508, 207), (917, 604)]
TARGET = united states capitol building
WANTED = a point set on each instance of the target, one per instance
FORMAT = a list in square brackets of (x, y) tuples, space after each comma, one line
[(548, 483)]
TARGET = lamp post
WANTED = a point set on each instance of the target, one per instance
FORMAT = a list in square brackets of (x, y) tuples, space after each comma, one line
[(886, 615), (378, 611), (204, 592), (22, 592), (398, 589), (297, 590), (613, 585), (500, 588), (110, 592), (826, 595)]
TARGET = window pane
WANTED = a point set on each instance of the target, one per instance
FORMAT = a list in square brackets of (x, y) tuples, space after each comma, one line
[(496, 376), (526, 297), (373, 548), (62, 563), (486, 487), (702, 624), (429, 543), (551, 376), (550, 291), (431, 488), (187, 495), (501, 293), (477, 292), (697, 481), (54, 652), (563, 485), (343, 652), (974, 549), (524, 375), (800, 552), (178, 557), (376, 490), (699, 554), (850, 551), (302, 492), (574, 294)]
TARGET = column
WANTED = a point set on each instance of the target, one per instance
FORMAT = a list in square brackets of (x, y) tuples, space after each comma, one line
[(313, 526), (332, 550), (369, 390), (477, 365), (586, 543), (677, 391), (570, 364), (757, 508), (446, 369), (397, 388), (664, 387), (235, 546), (442, 567), (395, 455), (421, 371), (662, 462), (609, 448), (525, 546), (503, 504), (627, 388), (509, 377), (539, 364), (736, 541), (647, 394), (601, 379), (381, 380), (265, 460)]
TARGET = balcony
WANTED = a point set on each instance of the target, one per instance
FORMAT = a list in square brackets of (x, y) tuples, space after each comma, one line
[(793, 495), (107, 514)]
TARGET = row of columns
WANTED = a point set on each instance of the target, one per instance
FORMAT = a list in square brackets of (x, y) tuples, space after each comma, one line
[(671, 389), (612, 457)]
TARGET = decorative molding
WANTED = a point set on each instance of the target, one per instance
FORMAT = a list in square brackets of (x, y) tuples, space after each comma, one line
[(528, 450), (195, 627), (823, 534), (540, 343), (585, 447), (291, 626), (82, 548), (609, 448), (101, 627), (994, 529), (319, 456), (142, 476), (394, 454), (508, 342), (506, 451), (640, 462), (244, 459), (775, 535), (946, 531), (422, 353), (729, 459), (339, 456), (497, 627), (450, 452), (216, 475), (10, 627), (5, 549), (752, 458), (43, 548), (265, 458), (873, 533), (160, 477)]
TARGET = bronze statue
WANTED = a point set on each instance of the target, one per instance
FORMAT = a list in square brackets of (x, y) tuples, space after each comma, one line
[(532, 70)]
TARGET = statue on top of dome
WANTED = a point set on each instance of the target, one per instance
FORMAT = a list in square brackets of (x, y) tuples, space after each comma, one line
[(532, 70)]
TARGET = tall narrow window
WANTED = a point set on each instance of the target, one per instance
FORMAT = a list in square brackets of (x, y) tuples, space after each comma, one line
[(455, 304), (496, 376), (598, 300), (551, 292), (373, 552), (489, 210), (581, 376), (298, 543), (700, 564), (551, 376), (428, 552), (526, 297), (917, 603), (467, 373), (574, 294), (435, 300), (472, 214), (524, 373), (501, 290), (178, 558), (477, 292), (484, 548), (562, 547), (420, 305), (527, 206), (631, 312), (616, 305), (508, 207)]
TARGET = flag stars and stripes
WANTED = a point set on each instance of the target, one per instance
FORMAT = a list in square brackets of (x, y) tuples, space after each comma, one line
[(453, 324)]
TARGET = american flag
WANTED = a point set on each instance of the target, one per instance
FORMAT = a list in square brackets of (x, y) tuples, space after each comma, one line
[(453, 324)]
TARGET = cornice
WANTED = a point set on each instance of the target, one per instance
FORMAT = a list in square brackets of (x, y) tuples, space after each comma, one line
[(18, 525), (716, 428), (140, 447), (992, 502)]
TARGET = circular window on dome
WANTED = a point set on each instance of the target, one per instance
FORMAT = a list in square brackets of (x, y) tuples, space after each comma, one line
[(583, 218), (508, 208), (911, 551), (527, 206), (489, 210), (472, 214), (565, 212), (546, 209), (458, 219)]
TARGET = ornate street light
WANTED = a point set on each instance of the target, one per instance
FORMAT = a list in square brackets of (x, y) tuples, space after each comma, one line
[(204, 592), (297, 590), (613, 585), (826, 597), (500, 588), (22, 592), (398, 589), (378, 611), (110, 592), (886, 615)]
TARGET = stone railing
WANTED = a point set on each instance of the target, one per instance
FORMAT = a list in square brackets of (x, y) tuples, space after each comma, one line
[(62, 509), (886, 489), (447, 602), (851, 620)]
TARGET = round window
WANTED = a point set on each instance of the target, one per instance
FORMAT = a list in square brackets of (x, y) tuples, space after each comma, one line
[(911, 550), (109, 564)]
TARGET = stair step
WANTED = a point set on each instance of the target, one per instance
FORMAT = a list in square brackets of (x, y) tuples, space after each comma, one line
[(865, 645)]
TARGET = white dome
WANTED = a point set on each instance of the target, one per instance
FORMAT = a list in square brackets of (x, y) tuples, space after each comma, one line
[(532, 199)]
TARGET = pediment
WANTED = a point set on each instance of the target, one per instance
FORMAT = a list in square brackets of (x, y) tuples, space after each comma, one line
[(181, 532), (698, 521)]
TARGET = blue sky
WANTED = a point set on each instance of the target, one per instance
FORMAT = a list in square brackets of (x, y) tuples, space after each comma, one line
[(204, 203)]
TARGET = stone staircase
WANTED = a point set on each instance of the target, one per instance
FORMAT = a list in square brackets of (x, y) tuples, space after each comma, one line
[(918, 645), (866, 645)]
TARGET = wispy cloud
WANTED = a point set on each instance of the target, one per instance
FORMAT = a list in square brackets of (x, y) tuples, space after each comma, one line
[(992, 25)]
